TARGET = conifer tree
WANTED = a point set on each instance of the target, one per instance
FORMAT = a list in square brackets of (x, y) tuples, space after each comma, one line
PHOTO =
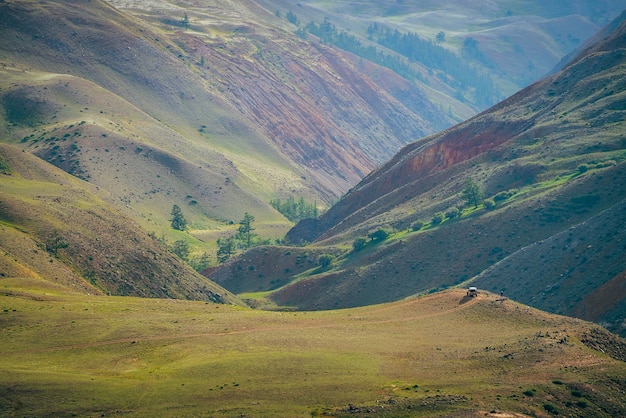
[(179, 222)]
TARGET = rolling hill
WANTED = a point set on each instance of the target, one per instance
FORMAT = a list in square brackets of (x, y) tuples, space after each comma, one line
[(550, 162), (446, 354), (515, 43), (60, 229), (109, 116)]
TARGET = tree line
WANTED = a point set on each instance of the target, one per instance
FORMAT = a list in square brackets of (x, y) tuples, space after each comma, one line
[(472, 84), (295, 210), (418, 49)]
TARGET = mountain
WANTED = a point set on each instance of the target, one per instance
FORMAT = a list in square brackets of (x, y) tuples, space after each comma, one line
[(198, 97), (218, 114), (550, 161), (60, 229), (511, 43)]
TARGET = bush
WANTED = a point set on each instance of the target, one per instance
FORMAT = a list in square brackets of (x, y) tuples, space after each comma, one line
[(453, 213), (359, 243), (472, 193), (379, 235), (325, 260), (504, 195), (437, 218), (417, 225), (490, 204), (550, 408)]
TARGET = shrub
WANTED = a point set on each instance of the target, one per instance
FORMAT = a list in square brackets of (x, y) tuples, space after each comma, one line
[(437, 218), (504, 195), (472, 193), (452, 213), (379, 235), (490, 204), (529, 393), (325, 260), (607, 163), (583, 168), (550, 408), (417, 225), (359, 243)]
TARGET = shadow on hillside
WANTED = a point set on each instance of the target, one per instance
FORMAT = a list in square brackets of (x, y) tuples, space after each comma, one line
[(466, 299)]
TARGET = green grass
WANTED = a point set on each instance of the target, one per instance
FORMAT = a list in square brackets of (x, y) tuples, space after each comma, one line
[(65, 354)]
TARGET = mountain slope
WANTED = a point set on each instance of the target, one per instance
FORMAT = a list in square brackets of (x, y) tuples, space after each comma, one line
[(551, 157), (514, 42), (226, 87), (57, 228)]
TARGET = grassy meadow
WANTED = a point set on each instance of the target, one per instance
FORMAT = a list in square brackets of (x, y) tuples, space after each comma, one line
[(65, 354)]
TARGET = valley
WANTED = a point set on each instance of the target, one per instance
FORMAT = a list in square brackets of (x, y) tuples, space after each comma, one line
[(274, 208)]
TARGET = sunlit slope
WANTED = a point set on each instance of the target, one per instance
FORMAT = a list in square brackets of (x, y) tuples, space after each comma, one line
[(145, 165), (440, 354), (59, 229), (515, 42), (270, 113)]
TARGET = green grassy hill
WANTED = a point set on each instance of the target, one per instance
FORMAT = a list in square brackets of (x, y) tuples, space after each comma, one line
[(446, 354)]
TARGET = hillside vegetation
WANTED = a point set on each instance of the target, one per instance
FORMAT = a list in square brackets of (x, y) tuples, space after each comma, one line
[(443, 354), (118, 117), (550, 162), (503, 45), (58, 228)]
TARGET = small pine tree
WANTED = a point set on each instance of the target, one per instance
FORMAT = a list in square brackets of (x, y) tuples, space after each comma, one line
[(179, 222), (201, 263), (245, 229), (225, 248), (181, 249)]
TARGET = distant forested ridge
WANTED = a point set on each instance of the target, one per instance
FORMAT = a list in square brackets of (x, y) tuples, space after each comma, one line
[(472, 84)]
